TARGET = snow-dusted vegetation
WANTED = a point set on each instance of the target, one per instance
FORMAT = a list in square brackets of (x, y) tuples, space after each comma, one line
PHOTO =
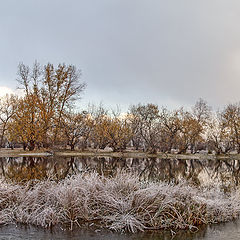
[(120, 203)]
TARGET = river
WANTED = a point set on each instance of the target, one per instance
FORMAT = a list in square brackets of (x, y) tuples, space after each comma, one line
[(225, 173)]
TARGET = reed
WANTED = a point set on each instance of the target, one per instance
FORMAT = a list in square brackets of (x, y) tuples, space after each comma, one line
[(119, 203)]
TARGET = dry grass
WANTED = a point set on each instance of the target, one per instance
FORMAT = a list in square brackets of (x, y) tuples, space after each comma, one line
[(121, 203)]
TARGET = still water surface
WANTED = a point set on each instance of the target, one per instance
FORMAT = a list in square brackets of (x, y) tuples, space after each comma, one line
[(199, 172), (228, 231), (225, 173)]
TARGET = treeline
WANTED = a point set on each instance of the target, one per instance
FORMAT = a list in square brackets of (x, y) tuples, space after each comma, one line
[(45, 117)]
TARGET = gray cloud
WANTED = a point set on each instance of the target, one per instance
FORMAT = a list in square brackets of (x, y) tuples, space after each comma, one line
[(166, 52)]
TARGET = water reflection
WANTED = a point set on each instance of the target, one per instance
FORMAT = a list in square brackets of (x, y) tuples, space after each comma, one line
[(198, 172), (225, 231)]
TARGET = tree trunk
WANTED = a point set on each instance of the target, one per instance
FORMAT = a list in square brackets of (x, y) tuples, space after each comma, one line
[(31, 145), (24, 146)]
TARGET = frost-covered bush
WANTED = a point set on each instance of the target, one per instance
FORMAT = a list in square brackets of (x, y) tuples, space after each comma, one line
[(120, 203)]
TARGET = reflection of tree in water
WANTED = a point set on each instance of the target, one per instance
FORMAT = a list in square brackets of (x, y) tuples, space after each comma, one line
[(35, 168), (26, 169), (225, 172)]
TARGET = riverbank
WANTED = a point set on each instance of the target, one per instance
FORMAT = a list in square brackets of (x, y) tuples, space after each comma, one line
[(121, 203), (98, 153)]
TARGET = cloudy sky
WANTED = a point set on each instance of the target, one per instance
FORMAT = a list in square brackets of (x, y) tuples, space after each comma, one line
[(168, 52)]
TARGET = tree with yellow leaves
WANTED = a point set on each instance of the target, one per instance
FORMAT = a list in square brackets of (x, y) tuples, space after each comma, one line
[(190, 132), (119, 133), (49, 93), (27, 125)]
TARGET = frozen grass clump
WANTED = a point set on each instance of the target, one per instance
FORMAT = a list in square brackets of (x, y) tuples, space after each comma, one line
[(119, 203)]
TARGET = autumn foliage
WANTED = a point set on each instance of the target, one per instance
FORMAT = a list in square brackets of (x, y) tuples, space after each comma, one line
[(45, 117)]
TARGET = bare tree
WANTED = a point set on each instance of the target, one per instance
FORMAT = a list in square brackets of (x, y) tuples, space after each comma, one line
[(149, 124), (8, 106), (231, 123), (201, 111), (170, 128)]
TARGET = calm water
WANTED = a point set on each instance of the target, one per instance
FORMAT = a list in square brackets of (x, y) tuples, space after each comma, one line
[(227, 231), (226, 173), (198, 172)]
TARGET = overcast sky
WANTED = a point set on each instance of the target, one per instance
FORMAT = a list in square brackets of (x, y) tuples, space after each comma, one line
[(168, 52)]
